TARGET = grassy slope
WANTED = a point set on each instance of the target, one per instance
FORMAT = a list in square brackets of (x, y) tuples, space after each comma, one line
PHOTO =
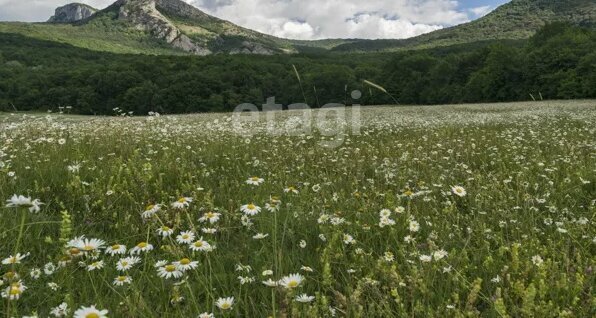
[(104, 33)]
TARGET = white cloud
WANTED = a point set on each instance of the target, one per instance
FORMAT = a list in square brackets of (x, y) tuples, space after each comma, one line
[(300, 19), (295, 30), (480, 11), (338, 18)]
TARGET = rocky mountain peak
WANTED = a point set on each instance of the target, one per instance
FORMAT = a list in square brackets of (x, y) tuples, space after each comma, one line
[(72, 12), (143, 15)]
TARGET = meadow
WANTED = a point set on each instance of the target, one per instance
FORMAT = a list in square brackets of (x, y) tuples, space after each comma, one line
[(443, 211)]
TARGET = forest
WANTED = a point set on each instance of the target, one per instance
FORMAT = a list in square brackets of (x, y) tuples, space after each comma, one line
[(558, 62)]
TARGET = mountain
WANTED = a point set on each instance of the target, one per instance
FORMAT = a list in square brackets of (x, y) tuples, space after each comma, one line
[(72, 12), (175, 27), (515, 20)]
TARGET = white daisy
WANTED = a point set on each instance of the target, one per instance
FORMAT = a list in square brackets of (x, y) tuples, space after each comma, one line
[(14, 291), (122, 280), (291, 281), (459, 191), (182, 203), (304, 298), (14, 259), (185, 237), (116, 249), (225, 303), (169, 271), (20, 201), (250, 209), (87, 245), (270, 282), (95, 265), (206, 315), (385, 213), (186, 264), (90, 312), (400, 210), (127, 263), (414, 226), (165, 231), (141, 247), (151, 210), (211, 217), (255, 181)]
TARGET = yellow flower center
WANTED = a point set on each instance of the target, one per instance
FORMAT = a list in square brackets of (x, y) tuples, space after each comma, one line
[(408, 193), (170, 268), (251, 206), (121, 278), (165, 228), (293, 284), (181, 200), (142, 245), (255, 178), (198, 244), (210, 215), (115, 247), (123, 263), (15, 290), (185, 261), (185, 236), (149, 207), (88, 248), (74, 251), (92, 315), (225, 306)]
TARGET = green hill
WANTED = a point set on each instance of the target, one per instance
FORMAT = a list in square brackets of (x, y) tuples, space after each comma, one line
[(518, 19)]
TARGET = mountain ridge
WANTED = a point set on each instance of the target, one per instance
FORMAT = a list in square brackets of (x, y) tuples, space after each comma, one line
[(180, 28)]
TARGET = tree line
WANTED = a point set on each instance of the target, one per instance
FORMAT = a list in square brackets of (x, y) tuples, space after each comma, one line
[(559, 62)]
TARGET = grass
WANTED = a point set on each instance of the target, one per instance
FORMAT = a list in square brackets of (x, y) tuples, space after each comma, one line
[(102, 34), (519, 243)]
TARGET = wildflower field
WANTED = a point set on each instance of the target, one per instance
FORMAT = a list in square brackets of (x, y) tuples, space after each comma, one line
[(448, 211)]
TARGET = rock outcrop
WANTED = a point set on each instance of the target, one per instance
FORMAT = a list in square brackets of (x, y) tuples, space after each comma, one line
[(72, 12), (143, 15)]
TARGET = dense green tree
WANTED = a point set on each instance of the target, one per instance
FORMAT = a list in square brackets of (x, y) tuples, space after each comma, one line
[(558, 62)]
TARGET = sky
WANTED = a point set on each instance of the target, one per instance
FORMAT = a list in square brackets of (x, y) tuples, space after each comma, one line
[(306, 19)]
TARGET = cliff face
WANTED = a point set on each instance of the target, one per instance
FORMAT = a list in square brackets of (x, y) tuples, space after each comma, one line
[(144, 15), (72, 13)]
